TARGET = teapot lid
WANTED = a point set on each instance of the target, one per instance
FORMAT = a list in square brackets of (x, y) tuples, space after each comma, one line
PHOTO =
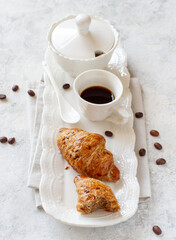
[(79, 37)]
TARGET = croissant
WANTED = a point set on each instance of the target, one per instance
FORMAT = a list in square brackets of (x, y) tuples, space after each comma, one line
[(86, 153), (94, 194)]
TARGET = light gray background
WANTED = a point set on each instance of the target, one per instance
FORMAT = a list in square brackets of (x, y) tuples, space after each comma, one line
[(148, 33)]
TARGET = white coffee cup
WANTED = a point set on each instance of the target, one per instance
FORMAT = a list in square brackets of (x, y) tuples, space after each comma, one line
[(97, 77)]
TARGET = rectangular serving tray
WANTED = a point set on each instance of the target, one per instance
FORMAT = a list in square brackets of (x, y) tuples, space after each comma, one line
[(57, 189)]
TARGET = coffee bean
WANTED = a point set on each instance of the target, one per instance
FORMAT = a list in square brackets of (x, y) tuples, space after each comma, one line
[(3, 139), (142, 152), (108, 133), (160, 161), (11, 140), (157, 230), (31, 93), (158, 146), (2, 96), (98, 53), (139, 115), (15, 88), (154, 133), (66, 86)]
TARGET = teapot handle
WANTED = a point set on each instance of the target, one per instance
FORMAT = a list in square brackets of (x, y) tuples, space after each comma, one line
[(83, 21)]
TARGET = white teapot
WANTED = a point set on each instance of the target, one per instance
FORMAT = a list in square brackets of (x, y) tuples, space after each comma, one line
[(82, 42)]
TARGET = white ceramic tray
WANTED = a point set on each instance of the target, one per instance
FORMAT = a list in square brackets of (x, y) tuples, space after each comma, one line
[(57, 189)]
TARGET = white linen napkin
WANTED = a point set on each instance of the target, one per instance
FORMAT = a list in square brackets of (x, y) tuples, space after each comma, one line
[(143, 175), (139, 128), (36, 147), (35, 116)]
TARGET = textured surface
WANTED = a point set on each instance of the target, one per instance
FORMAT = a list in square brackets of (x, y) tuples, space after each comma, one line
[(148, 32)]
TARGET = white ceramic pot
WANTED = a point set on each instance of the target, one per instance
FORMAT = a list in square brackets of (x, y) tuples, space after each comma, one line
[(74, 40)]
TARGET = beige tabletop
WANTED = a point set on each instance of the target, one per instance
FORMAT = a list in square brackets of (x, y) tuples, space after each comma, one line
[(148, 33)]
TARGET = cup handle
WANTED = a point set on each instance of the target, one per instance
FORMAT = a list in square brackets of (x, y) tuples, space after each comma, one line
[(122, 112), (119, 116)]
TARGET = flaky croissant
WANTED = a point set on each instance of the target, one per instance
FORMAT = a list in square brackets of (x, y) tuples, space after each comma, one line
[(94, 194), (86, 153)]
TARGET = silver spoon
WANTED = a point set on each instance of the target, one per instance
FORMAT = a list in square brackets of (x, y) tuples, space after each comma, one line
[(67, 112)]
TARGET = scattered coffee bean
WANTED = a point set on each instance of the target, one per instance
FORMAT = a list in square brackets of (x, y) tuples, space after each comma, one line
[(108, 133), (11, 140), (142, 152), (139, 115), (154, 133), (2, 96), (3, 139), (157, 230), (160, 161), (15, 88), (98, 53), (67, 167), (31, 93), (158, 146), (66, 86)]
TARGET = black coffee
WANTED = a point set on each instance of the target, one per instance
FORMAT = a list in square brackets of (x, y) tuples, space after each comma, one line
[(98, 95)]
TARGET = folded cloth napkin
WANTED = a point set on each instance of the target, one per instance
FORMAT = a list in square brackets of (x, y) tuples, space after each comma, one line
[(143, 175), (36, 147), (35, 119), (139, 128)]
